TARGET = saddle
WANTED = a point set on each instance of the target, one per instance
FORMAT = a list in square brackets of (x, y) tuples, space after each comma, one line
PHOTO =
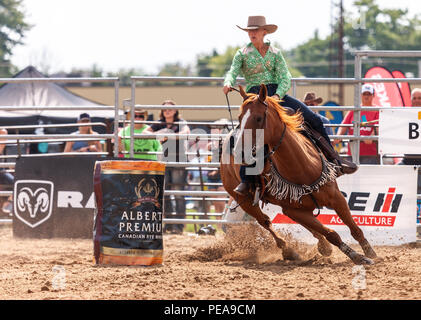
[(343, 166)]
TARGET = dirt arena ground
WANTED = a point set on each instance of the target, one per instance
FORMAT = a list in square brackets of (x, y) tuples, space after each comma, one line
[(241, 265)]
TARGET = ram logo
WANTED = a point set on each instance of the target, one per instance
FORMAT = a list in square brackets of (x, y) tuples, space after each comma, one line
[(33, 201)]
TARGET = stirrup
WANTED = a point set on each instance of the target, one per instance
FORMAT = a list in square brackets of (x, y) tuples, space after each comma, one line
[(242, 189)]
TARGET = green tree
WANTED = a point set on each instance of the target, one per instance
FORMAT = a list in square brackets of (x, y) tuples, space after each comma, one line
[(368, 27), (311, 58), (175, 69), (12, 31), (125, 74), (203, 66), (221, 63), (383, 29)]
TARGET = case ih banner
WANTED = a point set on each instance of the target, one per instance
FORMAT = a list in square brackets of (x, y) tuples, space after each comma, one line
[(383, 202), (400, 131)]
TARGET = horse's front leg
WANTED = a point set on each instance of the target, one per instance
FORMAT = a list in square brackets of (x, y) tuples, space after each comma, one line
[(247, 205)]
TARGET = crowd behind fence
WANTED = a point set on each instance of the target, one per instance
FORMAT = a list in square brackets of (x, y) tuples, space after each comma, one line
[(132, 106)]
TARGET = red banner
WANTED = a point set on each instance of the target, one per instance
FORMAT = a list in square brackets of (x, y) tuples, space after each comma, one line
[(386, 94), (333, 219), (404, 87)]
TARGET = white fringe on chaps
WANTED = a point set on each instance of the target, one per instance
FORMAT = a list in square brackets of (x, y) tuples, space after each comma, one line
[(282, 189)]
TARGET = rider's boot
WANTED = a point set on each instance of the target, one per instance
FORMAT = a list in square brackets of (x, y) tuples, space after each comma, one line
[(242, 189), (345, 166)]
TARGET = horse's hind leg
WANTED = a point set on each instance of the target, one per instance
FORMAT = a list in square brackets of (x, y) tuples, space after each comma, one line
[(342, 210), (306, 219), (247, 205)]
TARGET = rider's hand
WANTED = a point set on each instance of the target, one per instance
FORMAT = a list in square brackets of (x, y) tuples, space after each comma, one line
[(276, 96), (226, 89)]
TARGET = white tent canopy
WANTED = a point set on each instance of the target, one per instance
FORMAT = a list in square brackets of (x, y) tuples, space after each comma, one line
[(43, 94)]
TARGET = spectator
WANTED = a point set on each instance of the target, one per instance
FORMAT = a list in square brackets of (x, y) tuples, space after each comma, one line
[(83, 146), (311, 100), (39, 147), (416, 97), (6, 178), (414, 159), (139, 145), (174, 150), (368, 148)]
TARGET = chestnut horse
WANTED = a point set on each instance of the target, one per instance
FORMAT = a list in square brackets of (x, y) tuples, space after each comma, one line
[(295, 176)]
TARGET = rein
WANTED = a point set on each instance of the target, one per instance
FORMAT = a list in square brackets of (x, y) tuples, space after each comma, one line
[(229, 106)]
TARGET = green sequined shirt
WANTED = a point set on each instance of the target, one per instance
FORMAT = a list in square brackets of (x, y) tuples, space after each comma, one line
[(257, 69)]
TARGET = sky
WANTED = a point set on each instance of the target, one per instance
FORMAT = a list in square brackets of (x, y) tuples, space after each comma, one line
[(146, 34)]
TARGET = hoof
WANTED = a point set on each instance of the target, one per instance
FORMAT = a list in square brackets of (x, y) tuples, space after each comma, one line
[(354, 256), (368, 251), (360, 259), (367, 261), (324, 248), (290, 254), (370, 254)]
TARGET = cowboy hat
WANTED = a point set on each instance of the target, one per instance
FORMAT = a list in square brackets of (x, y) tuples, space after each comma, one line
[(257, 22), (311, 97)]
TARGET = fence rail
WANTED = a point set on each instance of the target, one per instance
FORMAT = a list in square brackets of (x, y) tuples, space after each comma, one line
[(203, 166), (356, 81)]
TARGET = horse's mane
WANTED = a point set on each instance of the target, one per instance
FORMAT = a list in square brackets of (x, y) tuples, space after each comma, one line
[(293, 122)]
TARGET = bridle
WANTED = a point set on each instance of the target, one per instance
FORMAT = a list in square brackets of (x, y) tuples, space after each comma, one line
[(264, 125), (229, 108), (269, 154)]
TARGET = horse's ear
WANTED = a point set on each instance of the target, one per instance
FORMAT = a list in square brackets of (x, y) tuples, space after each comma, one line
[(263, 92), (243, 93)]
